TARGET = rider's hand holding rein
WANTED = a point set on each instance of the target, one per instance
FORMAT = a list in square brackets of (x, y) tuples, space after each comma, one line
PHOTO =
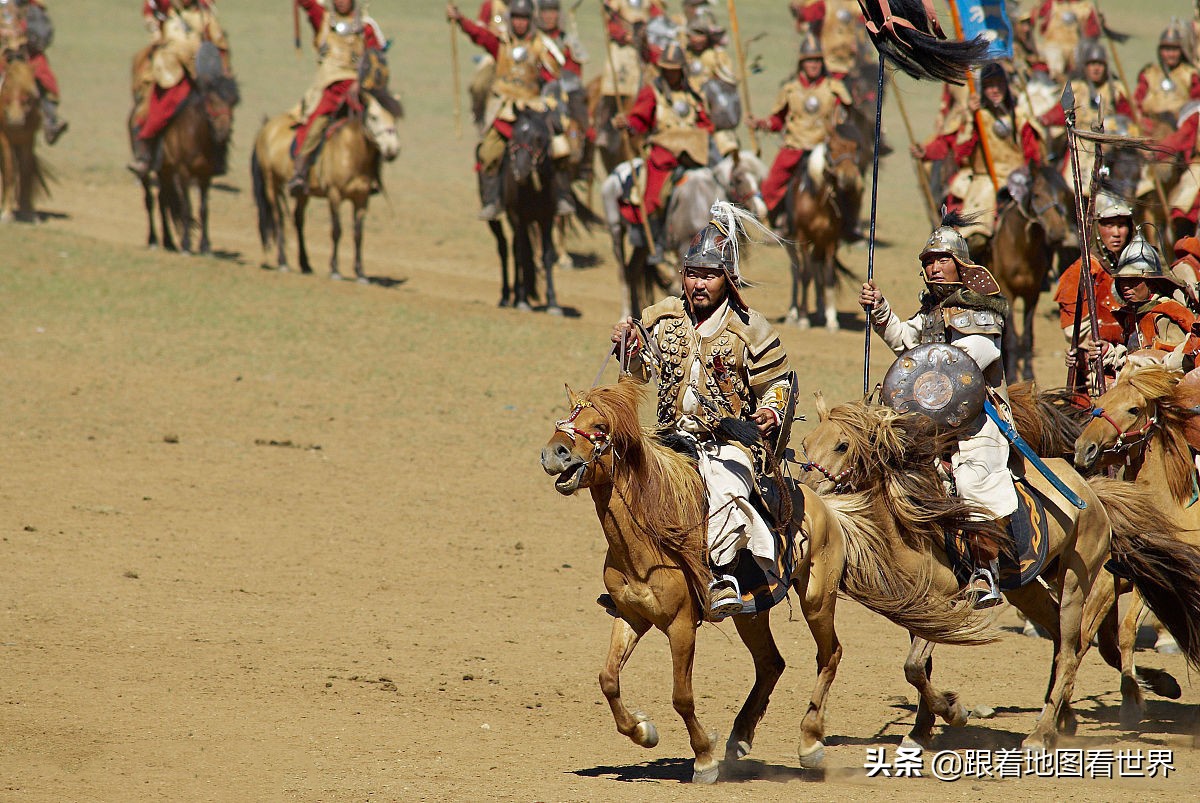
[(623, 330), (870, 297)]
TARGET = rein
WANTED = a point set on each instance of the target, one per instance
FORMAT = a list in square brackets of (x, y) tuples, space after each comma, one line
[(1126, 438), (839, 486)]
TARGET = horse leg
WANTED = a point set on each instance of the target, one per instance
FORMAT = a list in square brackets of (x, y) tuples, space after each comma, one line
[(166, 191), (818, 606), (681, 634), (185, 207), (549, 260), (1133, 702), (755, 632), (360, 217), (829, 280), (932, 703), (205, 245), (637, 726), (148, 201), (1027, 337), (335, 235), (522, 266), (506, 290), (626, 291), (1010, 345), (280, 209), (8, 171), (298, 222), (794, 313)]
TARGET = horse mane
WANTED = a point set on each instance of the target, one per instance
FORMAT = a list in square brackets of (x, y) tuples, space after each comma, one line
[(661, 487), (1159, 386), (894, 457), (1049, 421)]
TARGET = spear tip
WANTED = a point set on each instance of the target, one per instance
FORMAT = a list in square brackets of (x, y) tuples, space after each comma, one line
[(1068, 99)]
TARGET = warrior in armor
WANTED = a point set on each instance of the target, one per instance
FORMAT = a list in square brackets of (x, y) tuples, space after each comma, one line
[(716, 358), (708, 61), (1026, 58), (1164, 87), (1114, 228), (526, 60), (962, 306), (178, 29), (1186, 268), (1184, 198), (25, 26), (342, 36), (1014, 142), (673, 116), (838, 24), (806, 109), (549, 20), (1061, 24)]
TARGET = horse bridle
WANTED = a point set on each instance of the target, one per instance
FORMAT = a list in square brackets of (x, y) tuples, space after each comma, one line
[(600, 440), (1126, 438), (838, 479)]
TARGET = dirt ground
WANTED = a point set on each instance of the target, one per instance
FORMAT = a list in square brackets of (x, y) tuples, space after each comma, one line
[(270, 537)]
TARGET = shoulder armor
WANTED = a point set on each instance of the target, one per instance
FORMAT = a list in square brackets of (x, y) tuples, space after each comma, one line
[(667, 308), (754, 330), (973, 321)]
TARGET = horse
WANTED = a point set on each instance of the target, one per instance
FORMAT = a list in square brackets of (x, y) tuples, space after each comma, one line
[(345, 169), (1141, 424), (740, 176), (651, 503), (21, 172), (822, 203), (881, 468), (687, 212), (1028, 233)]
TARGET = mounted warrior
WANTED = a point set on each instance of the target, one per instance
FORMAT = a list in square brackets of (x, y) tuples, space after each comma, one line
[(711, 74), (1165, 86), (1061, 25), (962, 305), (178, 29), (1114, 228), (714, 358), (25, 27)]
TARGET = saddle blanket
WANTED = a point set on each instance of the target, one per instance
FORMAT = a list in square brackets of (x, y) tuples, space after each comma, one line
[(763, 584), (1021, 560), (328, 133)]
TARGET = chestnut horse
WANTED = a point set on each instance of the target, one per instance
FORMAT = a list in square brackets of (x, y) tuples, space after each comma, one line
[(22, 174), (1139, 425), (346, 169), (651, 503), (882, 466)]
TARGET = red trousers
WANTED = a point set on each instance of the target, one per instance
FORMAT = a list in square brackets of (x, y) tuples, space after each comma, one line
[(775, 186), (163, 105), (44, 75), (331, 100)]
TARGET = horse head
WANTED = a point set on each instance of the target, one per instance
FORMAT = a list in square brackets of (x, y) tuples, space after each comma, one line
[(1126, 414), (380, 127), (529, 146), (746, 175), (842, 159), (221, 95), (601, 422)]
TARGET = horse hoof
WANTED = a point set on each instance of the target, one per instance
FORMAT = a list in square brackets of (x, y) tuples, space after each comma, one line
[(284, 269), (736, 749), (1132, 714), (1166, 645), (911, 743), (645, 734), (802, 323), (1161, 683), (362, 280), (814, 759), (555, 311), (832, 326), (708, 775), (504, 303), (524, 306), (958, 716), (335, 277)]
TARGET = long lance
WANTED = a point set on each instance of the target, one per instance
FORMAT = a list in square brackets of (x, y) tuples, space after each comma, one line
[(456, 80), (296, 26), (922, 176), (1087, 290), (736, 32), (874, 208), (983, 142)]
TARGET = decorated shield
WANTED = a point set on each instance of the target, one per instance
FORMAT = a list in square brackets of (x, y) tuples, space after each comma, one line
[(937, 380)]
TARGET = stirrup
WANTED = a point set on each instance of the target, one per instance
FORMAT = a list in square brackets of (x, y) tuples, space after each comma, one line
[(982, 592), (724, 598)]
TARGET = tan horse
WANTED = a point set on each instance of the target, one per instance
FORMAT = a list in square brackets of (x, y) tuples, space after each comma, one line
[(1139, 425), (20, 118), (651, 504), (824, 201), (346, 169), (882, 465)]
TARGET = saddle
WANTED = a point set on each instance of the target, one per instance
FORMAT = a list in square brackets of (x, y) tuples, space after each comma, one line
[(1024, 554)]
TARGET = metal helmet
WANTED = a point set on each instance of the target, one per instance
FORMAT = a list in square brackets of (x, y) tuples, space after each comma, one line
[(1109, 205), (672, 57), (1140, 260), (704, 24), (548, 5), (520, 8), (1173, 35), (1090, 51), (947, 240), (810, 48), (711, 248)]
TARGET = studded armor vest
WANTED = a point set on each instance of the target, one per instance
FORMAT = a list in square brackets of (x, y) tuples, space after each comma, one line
[(809, 111), (518, 64), (1166, 93), (340, 47)]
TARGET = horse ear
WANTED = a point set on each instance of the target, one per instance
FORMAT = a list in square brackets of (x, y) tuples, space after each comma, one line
[(571, 395), (822, 407)]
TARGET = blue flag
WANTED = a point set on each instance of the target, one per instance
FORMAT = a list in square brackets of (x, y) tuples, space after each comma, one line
[(988, 18)]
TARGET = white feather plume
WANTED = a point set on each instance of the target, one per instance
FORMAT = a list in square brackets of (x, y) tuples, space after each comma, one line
[(737, 221)]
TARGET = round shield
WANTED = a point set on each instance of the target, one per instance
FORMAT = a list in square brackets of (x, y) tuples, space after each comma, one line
[(939, 381)]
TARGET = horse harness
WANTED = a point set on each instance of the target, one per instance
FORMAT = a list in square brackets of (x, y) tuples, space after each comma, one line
[(1129, 438), (600, 440)]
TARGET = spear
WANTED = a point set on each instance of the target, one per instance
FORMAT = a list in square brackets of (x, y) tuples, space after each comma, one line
[(922, 176), (296, 26), (983, 141), (457, 83), (735, 31)]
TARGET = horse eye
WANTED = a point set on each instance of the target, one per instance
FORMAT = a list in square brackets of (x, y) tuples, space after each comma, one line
[(1135, 410), (842, 448), (602, 428)]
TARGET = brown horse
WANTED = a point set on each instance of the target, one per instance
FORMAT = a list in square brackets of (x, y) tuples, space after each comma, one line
[(1028, 233), (1139, 424), (883, 466), (651, 503), (823, 201), (346, 169), (22, 174)]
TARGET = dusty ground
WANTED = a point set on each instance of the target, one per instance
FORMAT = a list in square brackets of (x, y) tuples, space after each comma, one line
[(269, 537)]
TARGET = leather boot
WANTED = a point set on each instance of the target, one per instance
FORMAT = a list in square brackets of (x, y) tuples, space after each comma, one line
[(52, 126), (143, 155), (297, 185), (658, 231), (489, 195)]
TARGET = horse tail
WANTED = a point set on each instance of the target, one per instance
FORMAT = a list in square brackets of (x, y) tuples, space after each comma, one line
[(267, 228), (873, 578), (1165, 570)]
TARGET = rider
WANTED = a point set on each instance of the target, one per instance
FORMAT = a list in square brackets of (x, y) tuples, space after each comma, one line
[(1164, 87), (16, 33), (1061, 24), (1114, 228), (838, 24), (526, 60), (548, 22), (1150, 317), (1184, 198), (673, 114), (718, 358), (1026, 58), (806, 108), (1014, 143), (342, 36), (1186, 268), (963, 306), (179, 28), (708, 61)]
